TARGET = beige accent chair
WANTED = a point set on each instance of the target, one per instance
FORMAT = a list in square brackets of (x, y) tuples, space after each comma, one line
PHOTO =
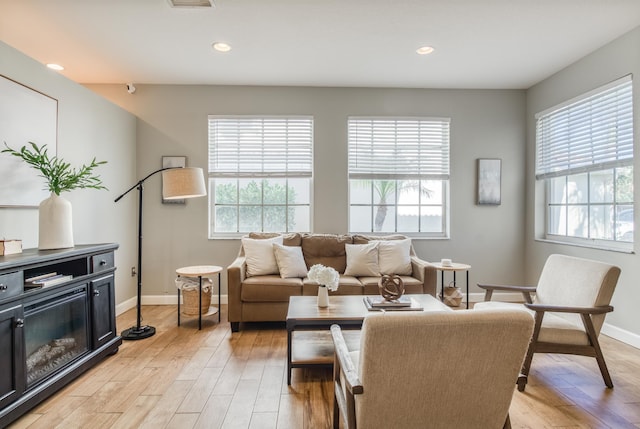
[(571, 302), (430, 369)]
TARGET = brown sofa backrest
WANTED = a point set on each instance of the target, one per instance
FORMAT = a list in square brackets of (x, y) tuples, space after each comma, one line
[(326, 249), (364, 239)]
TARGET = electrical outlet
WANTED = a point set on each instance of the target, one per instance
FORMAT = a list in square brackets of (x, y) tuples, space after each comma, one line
[(133, 271)]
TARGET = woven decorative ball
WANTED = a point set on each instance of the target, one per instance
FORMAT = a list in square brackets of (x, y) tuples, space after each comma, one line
[(391, 287)]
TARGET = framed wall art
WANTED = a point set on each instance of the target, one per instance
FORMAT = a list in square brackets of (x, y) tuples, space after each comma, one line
[(26, 115), (174, 161), (489, 181)]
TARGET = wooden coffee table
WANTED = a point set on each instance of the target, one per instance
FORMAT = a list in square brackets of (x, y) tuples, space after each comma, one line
[(309, 325)]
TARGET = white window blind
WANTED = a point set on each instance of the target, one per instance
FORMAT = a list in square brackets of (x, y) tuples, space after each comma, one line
[(591, 132), (390, 148), (260, 146)]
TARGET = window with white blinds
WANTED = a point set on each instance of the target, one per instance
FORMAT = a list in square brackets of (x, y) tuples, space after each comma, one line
[(260, 171), (260, 146), (584, 157), (589, 133), (398, 148), (398, 175)]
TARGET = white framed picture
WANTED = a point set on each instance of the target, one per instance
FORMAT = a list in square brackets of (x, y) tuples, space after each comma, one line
[(174, 161), (26, 115), (489, 181)]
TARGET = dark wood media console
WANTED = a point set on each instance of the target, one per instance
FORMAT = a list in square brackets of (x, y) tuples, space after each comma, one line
[(50, 335)]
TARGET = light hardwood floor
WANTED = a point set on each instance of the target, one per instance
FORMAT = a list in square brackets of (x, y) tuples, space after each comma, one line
[(185, 378)]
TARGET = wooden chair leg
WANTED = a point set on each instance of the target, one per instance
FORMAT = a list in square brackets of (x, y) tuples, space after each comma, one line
[(336, 413), (507, 423), (336, 386), (591, 333), (522, 382), (526, 365), (603, 369)]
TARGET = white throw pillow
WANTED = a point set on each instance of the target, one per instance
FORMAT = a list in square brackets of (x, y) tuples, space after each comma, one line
[(394, 256), (362, 260), (290, 261), (259, 255)]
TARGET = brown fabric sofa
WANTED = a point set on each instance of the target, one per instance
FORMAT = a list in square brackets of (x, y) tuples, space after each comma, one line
[(265, 298)]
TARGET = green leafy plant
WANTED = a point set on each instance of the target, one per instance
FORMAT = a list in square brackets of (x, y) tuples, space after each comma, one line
[(60, 176)]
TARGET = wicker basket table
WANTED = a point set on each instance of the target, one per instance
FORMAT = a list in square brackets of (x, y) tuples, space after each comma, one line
[(201, 271)]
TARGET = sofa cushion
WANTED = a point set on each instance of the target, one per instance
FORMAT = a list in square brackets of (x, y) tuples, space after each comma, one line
[(362, 259), (291, 239), (364, 239), (325, 249), (290, 261), (260, 256), (394, 256), (348, 285), (271, 288)]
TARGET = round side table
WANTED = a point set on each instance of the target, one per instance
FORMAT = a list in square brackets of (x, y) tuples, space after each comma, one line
[(453, 267), (201, 271)]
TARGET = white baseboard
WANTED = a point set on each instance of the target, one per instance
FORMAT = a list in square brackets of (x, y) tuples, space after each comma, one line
[(125, 306), (621, 335), (158, 300)]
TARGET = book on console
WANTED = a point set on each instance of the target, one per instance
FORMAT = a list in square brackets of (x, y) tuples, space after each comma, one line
[(47, 280), (40, 277)]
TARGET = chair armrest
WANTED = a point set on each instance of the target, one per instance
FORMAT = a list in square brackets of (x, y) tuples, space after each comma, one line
[(426, 273), (525, 290), (343, 359), (508, 287), (236, 273), (563, 309)]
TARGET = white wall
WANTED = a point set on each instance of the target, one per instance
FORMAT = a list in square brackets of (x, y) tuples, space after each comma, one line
[(88, 126), (612, 61), (484, 124)]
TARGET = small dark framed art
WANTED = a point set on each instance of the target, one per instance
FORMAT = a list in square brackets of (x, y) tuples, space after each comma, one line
[(174, 161), (489, 181)]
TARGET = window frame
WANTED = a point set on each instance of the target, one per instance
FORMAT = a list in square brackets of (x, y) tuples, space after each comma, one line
[(622, 158), (442, 176), (258, 176)]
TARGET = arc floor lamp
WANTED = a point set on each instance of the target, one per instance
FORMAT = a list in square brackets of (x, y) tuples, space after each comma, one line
[(177, 183)]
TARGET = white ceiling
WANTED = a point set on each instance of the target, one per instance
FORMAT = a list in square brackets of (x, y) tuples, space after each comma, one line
[(365, 43)]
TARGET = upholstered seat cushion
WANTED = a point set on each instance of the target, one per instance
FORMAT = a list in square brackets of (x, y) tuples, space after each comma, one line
[(562, 329), (348, 285), (270, 288)]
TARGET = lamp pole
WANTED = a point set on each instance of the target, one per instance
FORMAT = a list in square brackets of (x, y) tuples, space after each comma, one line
[(139, 332)]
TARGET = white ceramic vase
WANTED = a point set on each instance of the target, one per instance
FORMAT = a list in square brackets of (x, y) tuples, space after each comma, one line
[(55, 223), (323, 296)]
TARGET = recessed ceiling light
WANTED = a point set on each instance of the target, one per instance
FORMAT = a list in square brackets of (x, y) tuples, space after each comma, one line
[(221, 47), (56, 67), (424, 50)]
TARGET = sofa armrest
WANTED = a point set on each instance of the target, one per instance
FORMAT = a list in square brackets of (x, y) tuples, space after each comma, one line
[(236, 273), (426, 273)]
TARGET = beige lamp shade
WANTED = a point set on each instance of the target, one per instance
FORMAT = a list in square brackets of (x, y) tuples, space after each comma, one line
[(185, 182)]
